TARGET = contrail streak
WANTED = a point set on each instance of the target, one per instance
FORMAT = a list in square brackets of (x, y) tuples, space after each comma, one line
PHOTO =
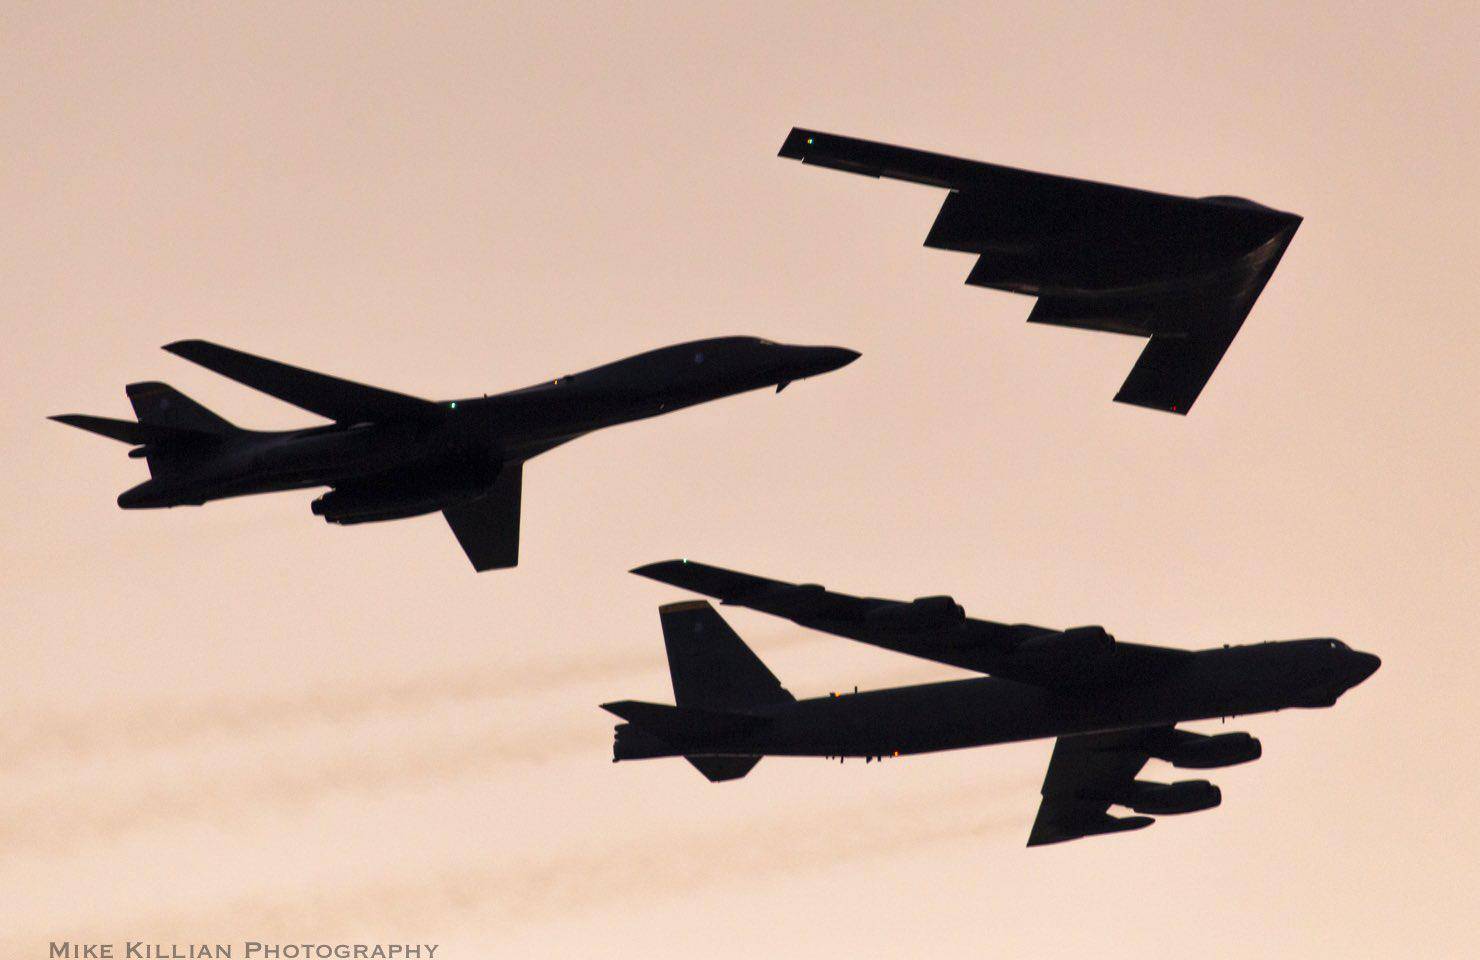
[(81, 813), (658, 865), (32, 740), (85, 819)]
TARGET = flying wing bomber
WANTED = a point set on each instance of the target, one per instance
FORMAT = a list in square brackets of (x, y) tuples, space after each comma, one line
[(1183, 271), (387, 455), (1111, 706)]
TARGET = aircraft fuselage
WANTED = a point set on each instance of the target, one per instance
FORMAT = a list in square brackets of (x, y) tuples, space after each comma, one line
[(457, 453), (1223, 682)]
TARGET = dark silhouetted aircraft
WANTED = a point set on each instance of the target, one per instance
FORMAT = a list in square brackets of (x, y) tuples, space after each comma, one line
[(1112, 706), (1183, 271), (388, 455)]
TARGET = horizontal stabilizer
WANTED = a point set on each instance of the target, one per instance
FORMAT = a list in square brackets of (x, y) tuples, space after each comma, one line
[(658, 730), (128, 431), (330, 397), (719, 769), (677, 724)]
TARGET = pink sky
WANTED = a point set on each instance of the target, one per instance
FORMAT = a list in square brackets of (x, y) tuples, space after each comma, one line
[(238, 722)]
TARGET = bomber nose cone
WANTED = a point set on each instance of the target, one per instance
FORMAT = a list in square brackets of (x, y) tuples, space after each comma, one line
[(801, 362), (1363, 666), (846, 356), (828, 359)]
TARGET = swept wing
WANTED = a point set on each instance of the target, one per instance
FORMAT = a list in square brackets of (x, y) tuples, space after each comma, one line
[(1089, 773), (1183, 271), (934, 628), (329, 397), (488, 528)]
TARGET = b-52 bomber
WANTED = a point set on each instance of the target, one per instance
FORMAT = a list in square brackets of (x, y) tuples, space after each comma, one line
[(1184, 271), (388, 455), (1113, 706)]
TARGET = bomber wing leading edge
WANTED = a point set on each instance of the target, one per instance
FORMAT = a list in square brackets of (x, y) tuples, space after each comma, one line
[(1183, 271), (934, 628), (332, 398)]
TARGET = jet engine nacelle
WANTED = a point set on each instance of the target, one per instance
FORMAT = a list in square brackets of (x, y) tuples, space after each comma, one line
[(788, 600), (1184, 796), (1222, 750), (925, 613), (368, 506), (1065, 648)]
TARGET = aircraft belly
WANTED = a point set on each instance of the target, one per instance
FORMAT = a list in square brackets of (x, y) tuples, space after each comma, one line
[(277, 462), (972, 713), (332, 457)]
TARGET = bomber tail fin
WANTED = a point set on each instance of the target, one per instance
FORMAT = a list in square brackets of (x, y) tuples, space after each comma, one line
[(711, 666), (722, 690), (162, 405), (657, 730), (124, 431), (172, 429)]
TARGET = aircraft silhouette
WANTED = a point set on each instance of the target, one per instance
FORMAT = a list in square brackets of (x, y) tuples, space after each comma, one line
[(1183, 271), (388, 455), (1112, 706)]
